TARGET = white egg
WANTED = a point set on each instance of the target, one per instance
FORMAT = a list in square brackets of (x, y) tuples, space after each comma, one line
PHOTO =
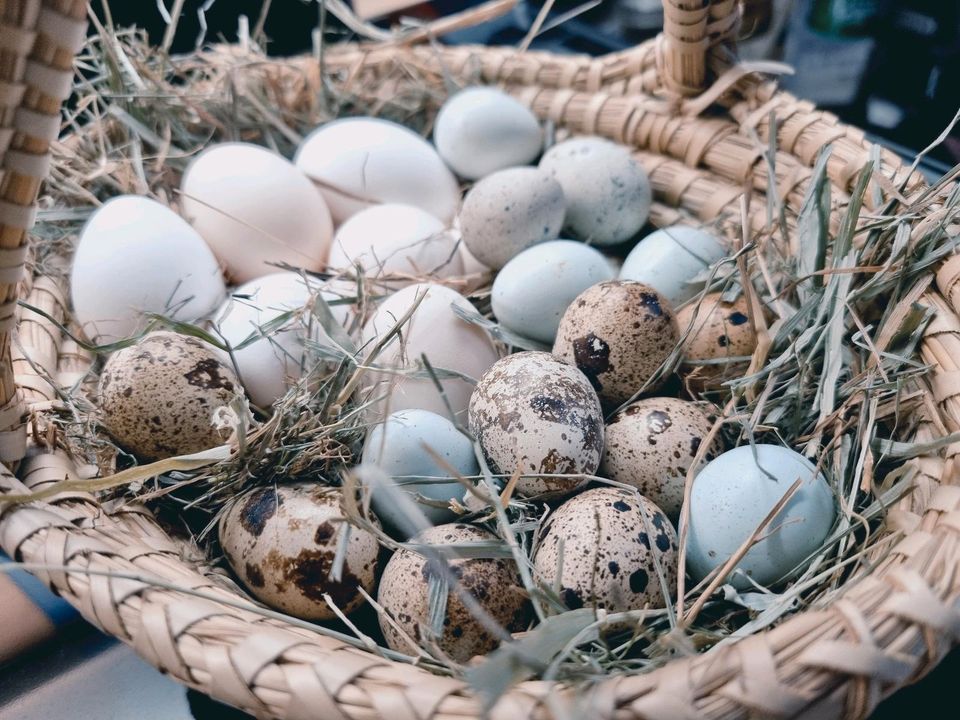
[(670, 259), (534, 289), (359, 162), (732, 495), (396, 240), (480, 130), (269, 365), (434, 330), (254, 207), (398, 446), (608, 192), (137, 256), (510, 210)]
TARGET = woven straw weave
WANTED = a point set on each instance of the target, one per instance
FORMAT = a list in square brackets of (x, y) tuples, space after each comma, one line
[(126, 576)]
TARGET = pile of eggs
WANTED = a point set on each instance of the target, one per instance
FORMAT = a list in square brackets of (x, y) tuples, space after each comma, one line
[(574, 425)]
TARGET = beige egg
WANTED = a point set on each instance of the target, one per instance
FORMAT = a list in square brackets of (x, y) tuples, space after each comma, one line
[(652, 444), (435, 331), (619, 334), (281, 541), (716, 331), (611, 541), (510, 210), (494, 584), (158, 397), (537, 415)]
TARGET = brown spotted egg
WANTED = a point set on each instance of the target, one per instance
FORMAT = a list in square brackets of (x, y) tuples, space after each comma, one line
[(494, 583), (158, 397), (611, 541), (281, 542), (618, 333), (534, 413), (652, 444), (716, 331)]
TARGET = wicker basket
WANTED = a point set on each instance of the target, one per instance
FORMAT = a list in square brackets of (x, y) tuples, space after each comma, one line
[(129, 578)]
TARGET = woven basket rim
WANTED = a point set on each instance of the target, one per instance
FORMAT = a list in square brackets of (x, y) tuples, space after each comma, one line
[(883, 631)]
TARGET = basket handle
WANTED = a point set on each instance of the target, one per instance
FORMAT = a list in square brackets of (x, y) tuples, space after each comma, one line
[(697, 42)]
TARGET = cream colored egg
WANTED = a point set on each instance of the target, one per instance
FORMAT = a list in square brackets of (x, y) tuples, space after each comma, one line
[(159, 398), (510, 210), (136, 256), (619, 334), (436, 331), (359, 162), (399, 242), (537, 415), (614, 544), (281, 542), (254, 208), (652, 444), (493, 583), (719, 337)]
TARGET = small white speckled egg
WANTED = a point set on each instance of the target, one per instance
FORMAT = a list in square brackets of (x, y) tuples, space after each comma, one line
[(608, 193), (716, 330), (651, 445), (396, 240), (508, 211), (494, 584), (670, 259), (253, 208), (534, 289), (158, 397), (481, 130), (281, 542), (734, 493), (612, 541), (399, 446), (436, 331), (536, 414), (619, 334), (364, 161)]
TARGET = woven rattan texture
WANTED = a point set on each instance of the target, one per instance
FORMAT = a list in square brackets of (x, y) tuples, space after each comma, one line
[(129, 578)]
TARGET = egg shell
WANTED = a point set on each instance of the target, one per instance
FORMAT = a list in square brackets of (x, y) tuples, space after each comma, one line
[(396, 240), (670, 259), (534, 289), (732, 495), (281, 543), (537, 415), (651, 445), (715, 330), (618, 333), (269, 366), (359, 162), (612, 540), (398, 446), (158, 397), (480, 130), (253, 208), (137, 256), (510, 210), (436, 331), (607, 192), (494, 583)]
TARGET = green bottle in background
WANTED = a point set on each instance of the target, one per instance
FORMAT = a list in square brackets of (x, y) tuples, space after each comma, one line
[(844, 17)]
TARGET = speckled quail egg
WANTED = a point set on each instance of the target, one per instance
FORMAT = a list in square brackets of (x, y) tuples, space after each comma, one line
[(494, 583), (607, 191), (716, 331), (652, 444), (607, 544), (536, 414), (159, 397), (399, 446), (734, 493), (618, 333), (510, 210), (281, 542)]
